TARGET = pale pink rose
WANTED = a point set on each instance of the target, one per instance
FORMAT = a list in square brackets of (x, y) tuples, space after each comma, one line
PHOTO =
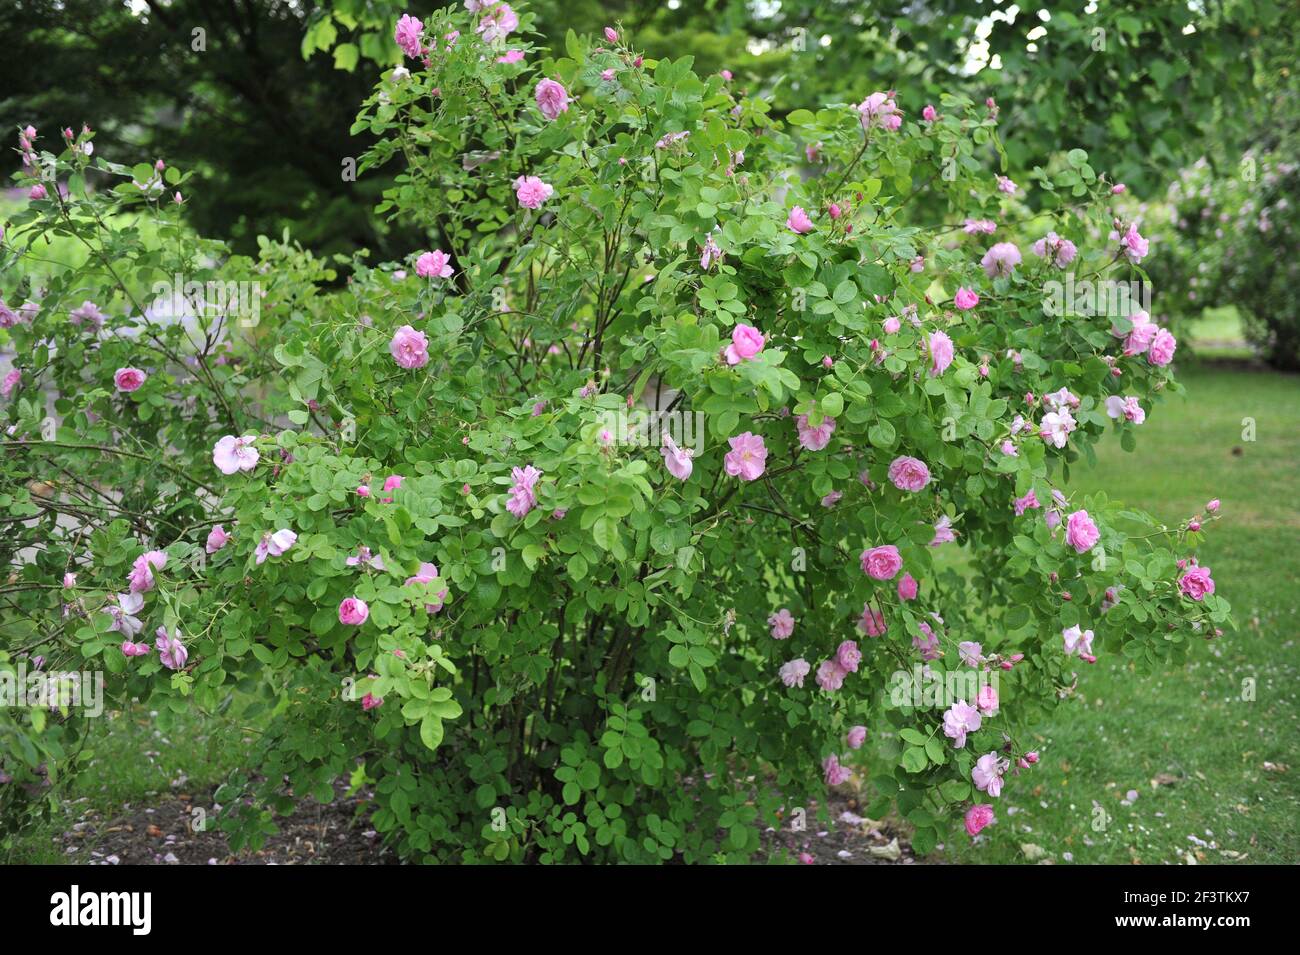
[(782, 624), (611, 34), (1000, 260), (961, 718), (1213, 506), (971, 653), (907, 587), (511, 56), (677, 460), (498, 22), (1009, 449), (1118, 189), (1127, 408), (522, 497), (1133, 245), (856, 736), (891, 325), (872, 621), (408, 35), (10, 383), (881, 563), (848, 656), (427, 574), (353, 611), (1162, 348), (130, 649), (927, 642), (1196, 582), (746, 342), (1060, 251), (273, 545), (1007, 186), (834, 773), (1028, 502), (979, 227), (124, 614), (941, 352), (965, 299), (1060, 400), (977, 817), (831, 499), (128, 379), (409, 348), (710, 254), (171, 652), (1078, 640), (1056, 427), (747, 458), (987, 700), (793, 673), (909, 474), (435, 264), (532, 192), (929, 114), (370, 701), (552, 98), (798, 221), (1080, 532), (814, 439), (879, 109), (830, 675), (217, 538), (140, 580), (69, 581), (943, 532), (987, 773), (87, 313)]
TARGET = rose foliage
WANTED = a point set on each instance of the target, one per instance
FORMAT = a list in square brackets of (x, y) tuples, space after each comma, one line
[(419, 530)]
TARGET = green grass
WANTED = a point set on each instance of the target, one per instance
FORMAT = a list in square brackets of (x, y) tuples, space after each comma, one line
[(1191, 724), (132, 763)]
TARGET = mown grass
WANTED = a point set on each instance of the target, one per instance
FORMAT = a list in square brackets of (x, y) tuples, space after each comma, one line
[(1216, 772)]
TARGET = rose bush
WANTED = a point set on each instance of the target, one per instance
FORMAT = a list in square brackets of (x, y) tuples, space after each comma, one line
[(426, 532)]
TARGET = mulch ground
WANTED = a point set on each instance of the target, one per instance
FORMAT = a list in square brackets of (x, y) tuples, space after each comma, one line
[(339, 834)]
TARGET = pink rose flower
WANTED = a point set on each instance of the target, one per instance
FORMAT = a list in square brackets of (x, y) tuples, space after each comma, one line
[(814, 439), (880, 110), (140, 580), (1196, 582), (965, 299), (408, 35), (1161, 351), (1080, 532), (370, 701), (977, 817), (498, 22), (552, 98), (943, 532), (793, 673), (435, 264), (909, 474), (872, 622), (522, 497), (427, 574), (882, 563), (1213, 506), (782, 624), (961, 718), (987, 700), (747, 458), (941, 353), (1028, 502), (217, 538), (857, 735), (171, 652), (273, 545), (891, 325), (835, 773), (1000, 260), (848, 656), (987, 773), (128, 379), (830, 675), (746, 342), (10, 383), (353, 611), (532, 192), (677, 460), (927, 642), (409, 348), (1078, 640), (1133, 245), (798, 221), (929, 114), (907, 587)]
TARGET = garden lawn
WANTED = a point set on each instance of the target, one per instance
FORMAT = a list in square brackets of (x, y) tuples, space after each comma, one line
[(1216, 775)]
